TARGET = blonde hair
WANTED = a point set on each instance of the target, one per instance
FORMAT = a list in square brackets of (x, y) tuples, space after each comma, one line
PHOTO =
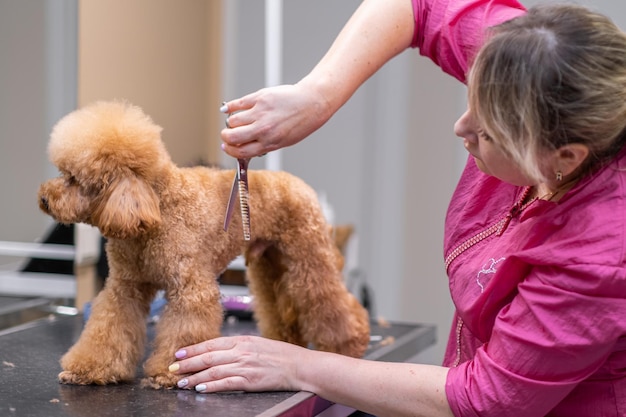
[(554, 76)]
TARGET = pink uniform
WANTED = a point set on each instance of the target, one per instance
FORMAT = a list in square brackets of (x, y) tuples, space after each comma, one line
[(539, 290)]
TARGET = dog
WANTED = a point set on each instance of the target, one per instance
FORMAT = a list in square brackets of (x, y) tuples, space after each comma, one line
[(164, 230)]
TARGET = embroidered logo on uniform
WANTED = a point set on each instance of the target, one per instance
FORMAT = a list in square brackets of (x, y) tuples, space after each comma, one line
[(489, 268)]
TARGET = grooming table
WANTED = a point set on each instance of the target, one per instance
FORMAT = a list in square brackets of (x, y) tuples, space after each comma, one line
[(29, 355)]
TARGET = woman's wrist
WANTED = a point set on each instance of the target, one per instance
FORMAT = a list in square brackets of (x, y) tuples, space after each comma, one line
[(324, 95)]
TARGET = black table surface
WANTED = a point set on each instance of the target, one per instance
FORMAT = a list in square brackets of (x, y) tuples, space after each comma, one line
[(29, 364)]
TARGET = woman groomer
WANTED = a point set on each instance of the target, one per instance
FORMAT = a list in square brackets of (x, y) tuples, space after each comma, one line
[(535, 235)]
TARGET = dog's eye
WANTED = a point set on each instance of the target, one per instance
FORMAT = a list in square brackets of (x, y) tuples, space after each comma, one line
[(70, 180)]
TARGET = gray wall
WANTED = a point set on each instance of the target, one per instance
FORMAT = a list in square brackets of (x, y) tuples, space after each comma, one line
[(37, 86)]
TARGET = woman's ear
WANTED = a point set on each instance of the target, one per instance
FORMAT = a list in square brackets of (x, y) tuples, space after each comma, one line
[(570, 157), (131, 208)]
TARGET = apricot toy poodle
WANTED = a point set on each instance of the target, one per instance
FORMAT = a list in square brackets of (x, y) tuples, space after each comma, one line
[(164, 230)]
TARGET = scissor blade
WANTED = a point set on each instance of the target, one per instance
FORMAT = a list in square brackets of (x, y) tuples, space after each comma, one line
[(245, 209), (231, 202), (243, 197)]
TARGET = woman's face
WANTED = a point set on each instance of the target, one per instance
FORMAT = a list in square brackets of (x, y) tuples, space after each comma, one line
[(489, 157)]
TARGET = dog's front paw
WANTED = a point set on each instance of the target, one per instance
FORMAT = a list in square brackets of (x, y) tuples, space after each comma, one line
[(74, 378), (85, 365), (167, 381)]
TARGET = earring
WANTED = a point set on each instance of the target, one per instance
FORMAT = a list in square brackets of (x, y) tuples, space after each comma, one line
[(559, 176)]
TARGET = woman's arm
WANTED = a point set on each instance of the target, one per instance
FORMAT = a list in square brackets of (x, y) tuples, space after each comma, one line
[(277, 117), (256, 364)]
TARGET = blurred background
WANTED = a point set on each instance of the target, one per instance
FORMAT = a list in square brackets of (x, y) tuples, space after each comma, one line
[(386, 163)]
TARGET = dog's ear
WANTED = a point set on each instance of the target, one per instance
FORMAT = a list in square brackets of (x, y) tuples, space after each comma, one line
[(131, 209)]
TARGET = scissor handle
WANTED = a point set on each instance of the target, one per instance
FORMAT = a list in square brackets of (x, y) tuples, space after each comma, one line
[(242, 170)]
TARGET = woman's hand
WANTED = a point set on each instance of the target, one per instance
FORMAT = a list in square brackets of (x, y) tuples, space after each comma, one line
[(272, 118), (239, 363)]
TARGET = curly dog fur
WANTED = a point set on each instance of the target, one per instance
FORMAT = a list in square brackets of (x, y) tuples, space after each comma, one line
[(164, 226)]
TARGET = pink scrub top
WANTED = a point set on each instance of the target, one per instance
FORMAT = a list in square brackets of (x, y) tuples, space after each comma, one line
[(540, 289)]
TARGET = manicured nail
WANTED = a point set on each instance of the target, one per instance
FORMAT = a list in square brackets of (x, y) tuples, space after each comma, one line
[(200, 387), (223, 146), (180, 354), (174, 367), (224, 108), (182, 383)]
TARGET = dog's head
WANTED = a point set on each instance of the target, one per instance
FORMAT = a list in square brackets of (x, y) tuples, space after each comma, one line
[(111, 157)]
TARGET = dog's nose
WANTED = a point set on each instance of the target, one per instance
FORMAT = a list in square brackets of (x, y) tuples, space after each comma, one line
[(43, 202)]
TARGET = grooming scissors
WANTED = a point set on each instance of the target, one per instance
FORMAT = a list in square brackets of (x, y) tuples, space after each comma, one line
[(240, 186)]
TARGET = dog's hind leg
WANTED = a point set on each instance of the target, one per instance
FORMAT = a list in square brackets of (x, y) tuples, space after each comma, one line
[(112, 342), (300, 297), (193, 314)]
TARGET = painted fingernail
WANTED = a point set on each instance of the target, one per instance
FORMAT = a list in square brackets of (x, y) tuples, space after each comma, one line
[(180, 354), (174, 367), (224, 108), (182, 383), (200, 387), (223, 146)]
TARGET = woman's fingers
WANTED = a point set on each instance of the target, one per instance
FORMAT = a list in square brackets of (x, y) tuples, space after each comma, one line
[(270, 119), (224, 377), (217, 344), (234, 383), (240, 104), (237, 142), (213, 352), (210, 362), (244, 135), (248, 363)]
